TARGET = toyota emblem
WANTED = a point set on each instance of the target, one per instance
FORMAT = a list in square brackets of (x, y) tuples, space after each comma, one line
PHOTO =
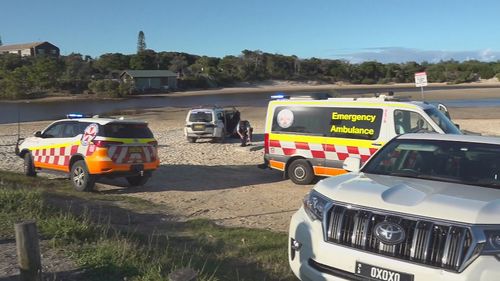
[(389, 233)]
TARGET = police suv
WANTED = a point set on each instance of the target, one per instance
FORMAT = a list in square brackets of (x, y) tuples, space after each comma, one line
[(92, 147), (424, 207)]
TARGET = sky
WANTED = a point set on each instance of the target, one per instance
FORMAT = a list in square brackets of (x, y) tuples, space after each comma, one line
[(354, 30)]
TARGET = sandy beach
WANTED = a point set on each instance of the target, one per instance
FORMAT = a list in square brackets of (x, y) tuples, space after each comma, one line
[(221, 181)]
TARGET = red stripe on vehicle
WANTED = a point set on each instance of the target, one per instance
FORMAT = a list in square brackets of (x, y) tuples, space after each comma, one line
[(373, 150), (74, 149), (274, 143), (302, 145), (318, 154), (289, 151), (342, 156), (52, 152), (352, 150), (329, 147), (364, 158)]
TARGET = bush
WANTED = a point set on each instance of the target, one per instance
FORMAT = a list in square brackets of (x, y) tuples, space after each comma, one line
[(108, 88)]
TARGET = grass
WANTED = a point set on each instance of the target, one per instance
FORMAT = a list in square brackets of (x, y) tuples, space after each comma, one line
[(137, 251)]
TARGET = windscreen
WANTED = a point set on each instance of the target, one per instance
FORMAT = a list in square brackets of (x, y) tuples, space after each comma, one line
[(460, 162), (442, 121), (200, 116), (126, 130)]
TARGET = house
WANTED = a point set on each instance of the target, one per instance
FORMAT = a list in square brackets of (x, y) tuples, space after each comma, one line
[(31, 49), (147, 80)]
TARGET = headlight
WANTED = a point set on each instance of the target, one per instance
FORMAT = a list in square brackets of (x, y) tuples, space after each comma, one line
[(492, 245), (315, 205)]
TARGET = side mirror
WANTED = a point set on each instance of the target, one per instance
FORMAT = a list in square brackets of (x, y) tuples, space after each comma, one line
[(352, 164), (38, 134), (456, 125)]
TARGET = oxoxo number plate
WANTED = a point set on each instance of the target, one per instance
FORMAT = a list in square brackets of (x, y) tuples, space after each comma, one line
[(377, 273)]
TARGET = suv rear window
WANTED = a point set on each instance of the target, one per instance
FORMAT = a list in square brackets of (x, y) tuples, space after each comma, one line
[(200, 116), (126, 130)]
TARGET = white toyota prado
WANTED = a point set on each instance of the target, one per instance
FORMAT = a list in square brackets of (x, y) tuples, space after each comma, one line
[(425, 207)]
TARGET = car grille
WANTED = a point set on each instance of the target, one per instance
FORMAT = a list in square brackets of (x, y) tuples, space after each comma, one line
[(426, 242)]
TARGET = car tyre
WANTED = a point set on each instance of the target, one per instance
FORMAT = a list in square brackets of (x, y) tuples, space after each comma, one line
[(191, 139), (138, 180), (300, 172), (80, 177), (29, 166)]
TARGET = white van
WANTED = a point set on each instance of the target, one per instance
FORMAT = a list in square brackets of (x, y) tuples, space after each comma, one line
[(306, 138)]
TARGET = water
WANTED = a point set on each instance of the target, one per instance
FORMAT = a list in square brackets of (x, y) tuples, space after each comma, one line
[(34, 111)]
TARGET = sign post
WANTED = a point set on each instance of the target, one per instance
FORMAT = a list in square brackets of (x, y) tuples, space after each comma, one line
[(421, 81)]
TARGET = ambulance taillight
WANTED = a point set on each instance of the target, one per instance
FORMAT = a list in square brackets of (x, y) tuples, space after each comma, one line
[(266, 143)]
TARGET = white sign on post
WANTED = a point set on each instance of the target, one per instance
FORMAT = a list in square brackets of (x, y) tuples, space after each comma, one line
[(420, 79)]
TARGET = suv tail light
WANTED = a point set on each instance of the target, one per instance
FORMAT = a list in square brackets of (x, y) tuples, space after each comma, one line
[(100, 143)]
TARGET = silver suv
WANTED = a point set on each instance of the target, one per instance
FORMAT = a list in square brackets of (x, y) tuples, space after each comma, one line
[(424, 207), (211, 122)]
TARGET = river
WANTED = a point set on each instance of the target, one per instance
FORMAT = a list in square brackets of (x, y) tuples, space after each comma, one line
[(12, 112)]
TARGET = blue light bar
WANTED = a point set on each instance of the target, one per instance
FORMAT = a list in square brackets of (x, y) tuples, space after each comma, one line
[(279, 96), (77, 115)]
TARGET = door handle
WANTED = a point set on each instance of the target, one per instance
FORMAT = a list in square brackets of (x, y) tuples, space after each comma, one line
[(376, 144)]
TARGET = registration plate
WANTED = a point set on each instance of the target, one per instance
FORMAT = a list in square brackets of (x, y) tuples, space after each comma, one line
[(198, 127), (377, 273), (134, 149)]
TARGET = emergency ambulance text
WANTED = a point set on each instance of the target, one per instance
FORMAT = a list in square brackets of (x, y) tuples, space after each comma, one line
[(353, 117), (352, 130)]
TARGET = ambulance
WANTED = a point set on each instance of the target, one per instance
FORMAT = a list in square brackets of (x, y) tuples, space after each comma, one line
[(89, 148), (305, 138)]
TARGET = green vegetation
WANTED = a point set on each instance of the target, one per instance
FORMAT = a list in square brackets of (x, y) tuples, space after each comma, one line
[(28, 77), (89, 228)]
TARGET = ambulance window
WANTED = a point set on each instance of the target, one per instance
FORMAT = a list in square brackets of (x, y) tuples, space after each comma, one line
[(54, 131), (410, 122), (352, 123)]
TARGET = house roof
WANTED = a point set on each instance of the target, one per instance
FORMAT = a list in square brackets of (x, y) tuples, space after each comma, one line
[(21, 46), (149, 73)]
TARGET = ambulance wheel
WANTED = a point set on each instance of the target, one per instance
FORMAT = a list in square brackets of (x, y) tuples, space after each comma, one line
[(29, 166), (80, 177), (191, 139), (138, 180), (300, 172)]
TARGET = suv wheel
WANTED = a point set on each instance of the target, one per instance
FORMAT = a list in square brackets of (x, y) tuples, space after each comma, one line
[(191, 139), (139, 180), (29, 166), (300, 172), (80, 177)]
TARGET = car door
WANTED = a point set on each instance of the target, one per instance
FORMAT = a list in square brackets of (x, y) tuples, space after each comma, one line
[(56, 143)]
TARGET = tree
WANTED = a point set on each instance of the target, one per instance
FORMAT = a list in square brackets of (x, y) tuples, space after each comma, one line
[(145, 60), (112, 62), (141, 42), (1, 41)]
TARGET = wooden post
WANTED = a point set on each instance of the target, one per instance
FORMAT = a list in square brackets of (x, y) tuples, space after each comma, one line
[(28, 251), (183, 274)]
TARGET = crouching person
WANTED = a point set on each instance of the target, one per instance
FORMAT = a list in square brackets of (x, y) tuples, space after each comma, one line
[(245, 131)]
